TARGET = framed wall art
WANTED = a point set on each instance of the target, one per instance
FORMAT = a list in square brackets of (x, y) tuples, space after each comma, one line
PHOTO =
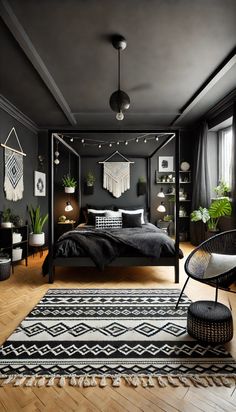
[(166, 164), (39, 184)]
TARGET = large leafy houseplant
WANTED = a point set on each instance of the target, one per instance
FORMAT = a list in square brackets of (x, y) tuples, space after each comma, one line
[(218, 208), (68, 181)]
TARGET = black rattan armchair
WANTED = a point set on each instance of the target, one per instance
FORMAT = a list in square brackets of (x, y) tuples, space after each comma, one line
[(213, 262)]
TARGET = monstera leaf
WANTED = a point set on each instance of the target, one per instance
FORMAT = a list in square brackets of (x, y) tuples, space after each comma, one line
[(220, 207), (200, 214)]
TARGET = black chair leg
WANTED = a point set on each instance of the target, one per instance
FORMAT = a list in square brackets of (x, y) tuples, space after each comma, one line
[(181, 293)]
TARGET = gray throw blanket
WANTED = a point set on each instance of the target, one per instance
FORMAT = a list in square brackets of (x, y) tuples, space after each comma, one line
[(102, 246)]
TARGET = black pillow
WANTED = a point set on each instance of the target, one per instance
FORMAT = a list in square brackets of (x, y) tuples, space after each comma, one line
[(131, 220), (92, 217)]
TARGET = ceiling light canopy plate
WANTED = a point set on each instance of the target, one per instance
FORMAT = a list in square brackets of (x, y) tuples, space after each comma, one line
[(119, 42)]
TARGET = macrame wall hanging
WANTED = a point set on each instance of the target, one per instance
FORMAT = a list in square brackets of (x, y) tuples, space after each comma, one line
[(13, 183), (116, 175)]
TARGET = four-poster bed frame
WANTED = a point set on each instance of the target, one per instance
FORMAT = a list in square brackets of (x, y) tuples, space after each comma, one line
[(120, 261)]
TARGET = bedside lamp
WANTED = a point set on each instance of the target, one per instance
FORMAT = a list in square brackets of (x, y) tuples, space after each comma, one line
[(68, 207), (161, 193), (161, 208)]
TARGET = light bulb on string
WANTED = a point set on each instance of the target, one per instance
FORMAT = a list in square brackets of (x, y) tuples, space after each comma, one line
[(82, 140), (126, 143), (136, 140), (100, 146), (120, 116), (56, 161), (71, 139), (118, 143), (110, 144), (156, 138), (145, 140)]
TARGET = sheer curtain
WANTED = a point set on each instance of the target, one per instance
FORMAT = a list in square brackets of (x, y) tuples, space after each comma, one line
[(234, 164), (226, 156), (201, 186)]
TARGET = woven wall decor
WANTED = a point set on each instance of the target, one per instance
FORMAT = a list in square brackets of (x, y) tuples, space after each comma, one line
[(116, 175), (13, 182)]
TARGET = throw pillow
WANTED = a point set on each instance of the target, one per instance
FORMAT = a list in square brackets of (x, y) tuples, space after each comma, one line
[(131, 220)]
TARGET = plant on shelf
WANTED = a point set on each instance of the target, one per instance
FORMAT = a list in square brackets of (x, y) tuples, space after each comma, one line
[(168, 218), (69, 183), (6, 218), (218, 208), (90, 179), (37, 236), (222, 190)]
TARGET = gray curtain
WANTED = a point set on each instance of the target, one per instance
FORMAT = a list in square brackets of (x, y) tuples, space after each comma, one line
[(201, 181), (234, 166)]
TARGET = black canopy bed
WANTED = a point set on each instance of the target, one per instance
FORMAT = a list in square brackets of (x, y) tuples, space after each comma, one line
[(88, 246)]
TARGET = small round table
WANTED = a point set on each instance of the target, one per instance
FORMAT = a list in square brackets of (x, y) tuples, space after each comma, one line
[(210, 322)]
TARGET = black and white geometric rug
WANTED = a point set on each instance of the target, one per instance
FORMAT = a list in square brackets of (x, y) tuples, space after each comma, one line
[(100, 336)]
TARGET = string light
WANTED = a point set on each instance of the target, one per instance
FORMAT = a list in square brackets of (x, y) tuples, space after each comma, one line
[(147, 137), (56, 161)]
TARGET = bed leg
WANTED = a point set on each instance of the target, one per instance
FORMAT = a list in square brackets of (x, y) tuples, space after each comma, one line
[(51, 274), (177, 271)]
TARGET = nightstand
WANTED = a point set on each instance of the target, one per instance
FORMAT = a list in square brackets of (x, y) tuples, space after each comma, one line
[(62, 227)]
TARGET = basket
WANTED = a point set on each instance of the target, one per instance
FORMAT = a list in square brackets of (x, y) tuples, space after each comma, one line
[(5, 268)]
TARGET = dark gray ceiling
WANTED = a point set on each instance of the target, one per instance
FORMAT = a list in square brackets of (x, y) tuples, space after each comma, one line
[(174, 48)]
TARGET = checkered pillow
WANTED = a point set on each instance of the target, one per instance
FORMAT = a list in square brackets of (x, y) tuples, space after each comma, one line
[(108, 222)]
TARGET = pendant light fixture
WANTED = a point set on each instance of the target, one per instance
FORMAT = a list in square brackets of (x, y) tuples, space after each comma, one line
[(161, 193), (68, 207), (119, 100)]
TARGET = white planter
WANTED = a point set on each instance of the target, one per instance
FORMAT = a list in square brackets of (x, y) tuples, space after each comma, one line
[(69, 189), (17, 254), (37, 239), (6, 224)]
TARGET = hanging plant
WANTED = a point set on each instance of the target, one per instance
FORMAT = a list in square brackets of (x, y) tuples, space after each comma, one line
[(69, 183)]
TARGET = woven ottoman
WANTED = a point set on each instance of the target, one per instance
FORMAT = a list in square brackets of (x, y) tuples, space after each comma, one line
[(210, 322)]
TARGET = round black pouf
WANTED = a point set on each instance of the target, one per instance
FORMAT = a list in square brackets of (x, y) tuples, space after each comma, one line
[(5, 268), (210, 322)]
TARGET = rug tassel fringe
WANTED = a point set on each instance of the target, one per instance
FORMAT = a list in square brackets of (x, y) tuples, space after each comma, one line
[(62, 381), (30, 382), (86, 382), (143, 382), (80, 382), (20, 381), (116, 381), (184, 381), (161, 382), (103, 382), (73, 381), (8, 380), (51, 381), (226, 382), (172, 382)]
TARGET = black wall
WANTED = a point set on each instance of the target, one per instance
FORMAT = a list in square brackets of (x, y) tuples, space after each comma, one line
[(29, 143)]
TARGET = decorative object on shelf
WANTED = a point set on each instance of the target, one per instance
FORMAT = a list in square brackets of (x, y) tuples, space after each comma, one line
[(161, 194), (142, 186), (119, 100), (6, 218), (13, 238), (37, 236), (13, 183), (166, 163), (184, 166), (61, 219), (182, 194), (57, 154), (218, 208), (5, 265), (164, 178), (161, 208), (116, 175), (182, 212), (68, 207), (17, 254), (16, 237), (17, 220), (39, 183), (171, 190)]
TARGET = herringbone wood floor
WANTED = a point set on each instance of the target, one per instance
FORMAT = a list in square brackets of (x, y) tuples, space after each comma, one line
[(20, 293)]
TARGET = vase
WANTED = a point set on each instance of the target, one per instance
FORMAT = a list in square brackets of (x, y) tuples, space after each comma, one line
[(36, 239)]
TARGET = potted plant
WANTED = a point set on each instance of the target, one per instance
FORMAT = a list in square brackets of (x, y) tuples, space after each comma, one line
[(90, 179), (222, 190), (69, 184), (37, 236), (89, 183), (6, 218), (218, 208), (142, 186)]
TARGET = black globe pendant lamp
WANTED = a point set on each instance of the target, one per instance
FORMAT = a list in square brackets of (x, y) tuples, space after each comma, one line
[(119, 100)]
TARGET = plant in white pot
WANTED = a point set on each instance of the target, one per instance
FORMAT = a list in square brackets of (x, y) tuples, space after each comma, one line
[(69, 183), (37, 236), (6, 218)]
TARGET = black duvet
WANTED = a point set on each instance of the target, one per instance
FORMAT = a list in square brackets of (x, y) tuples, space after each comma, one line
[(103, 246)]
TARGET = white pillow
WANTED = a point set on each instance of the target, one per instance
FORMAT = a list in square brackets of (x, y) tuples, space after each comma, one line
[(134, 212), (219, 264), (96, 211), (111, 213)]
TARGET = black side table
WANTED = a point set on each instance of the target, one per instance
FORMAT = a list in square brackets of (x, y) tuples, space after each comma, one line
[(63, 227)]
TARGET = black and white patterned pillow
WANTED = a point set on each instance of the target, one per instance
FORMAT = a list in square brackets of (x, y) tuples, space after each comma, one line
[(108, 222)]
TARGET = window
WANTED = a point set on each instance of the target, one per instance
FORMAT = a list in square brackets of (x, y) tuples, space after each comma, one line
[(225, 155)]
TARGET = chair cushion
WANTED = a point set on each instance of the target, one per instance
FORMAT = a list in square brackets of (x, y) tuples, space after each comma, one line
[(219, 264)]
